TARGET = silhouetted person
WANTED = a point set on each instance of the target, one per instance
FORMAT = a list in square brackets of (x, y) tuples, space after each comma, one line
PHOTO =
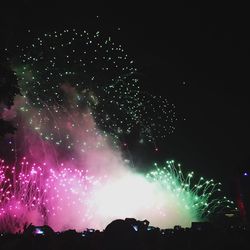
[(119, 234)]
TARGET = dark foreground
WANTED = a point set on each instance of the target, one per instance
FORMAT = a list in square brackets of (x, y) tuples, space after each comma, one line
[(123, 235)]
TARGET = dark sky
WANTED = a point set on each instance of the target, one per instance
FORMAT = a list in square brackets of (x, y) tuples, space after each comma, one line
[(198, 57)]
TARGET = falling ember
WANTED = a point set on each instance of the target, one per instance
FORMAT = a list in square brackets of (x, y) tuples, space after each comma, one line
[(68, 70)]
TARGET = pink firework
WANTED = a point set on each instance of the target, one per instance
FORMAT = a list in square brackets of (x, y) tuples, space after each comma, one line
[(39, 194)]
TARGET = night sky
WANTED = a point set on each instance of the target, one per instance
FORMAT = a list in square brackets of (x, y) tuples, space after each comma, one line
[(196, 57)]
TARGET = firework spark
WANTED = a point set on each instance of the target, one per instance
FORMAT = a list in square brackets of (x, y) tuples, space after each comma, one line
[(75, 69)]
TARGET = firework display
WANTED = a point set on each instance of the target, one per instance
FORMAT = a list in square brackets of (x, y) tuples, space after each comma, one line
[(66, 198), (75, 69), (81, 96)]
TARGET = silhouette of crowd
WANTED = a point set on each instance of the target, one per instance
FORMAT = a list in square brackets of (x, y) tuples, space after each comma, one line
[(133, 235)]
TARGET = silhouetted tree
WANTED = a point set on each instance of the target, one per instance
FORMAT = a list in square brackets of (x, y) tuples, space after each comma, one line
[(8, 90)]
